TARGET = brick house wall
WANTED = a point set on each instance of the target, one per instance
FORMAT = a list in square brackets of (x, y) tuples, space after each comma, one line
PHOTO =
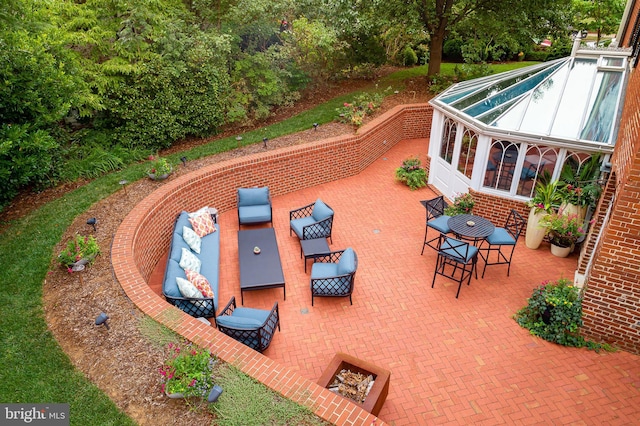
[(611, 303)]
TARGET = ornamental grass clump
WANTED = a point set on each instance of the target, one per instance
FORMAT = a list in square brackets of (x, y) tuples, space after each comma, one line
[(554, 313), (412, 173)]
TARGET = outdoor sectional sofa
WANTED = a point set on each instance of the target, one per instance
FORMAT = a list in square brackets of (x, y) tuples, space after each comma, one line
[(209, 258)]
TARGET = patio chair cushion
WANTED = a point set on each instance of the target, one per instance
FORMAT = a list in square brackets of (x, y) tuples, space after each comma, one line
[(501, 236), (347, 262), (192, 239), (458, 252), (254, 214), (202, 224), (321, 211), (440, 224), (321, 270), (189, 260), (236, 321), (253, 196), (298, 225)]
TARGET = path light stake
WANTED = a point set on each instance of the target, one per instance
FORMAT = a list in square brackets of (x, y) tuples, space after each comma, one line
[(102, 320), (315, 126), (239, 139), (184, 161), (214, 394), (124, 183), (92, 222), (264, 142)]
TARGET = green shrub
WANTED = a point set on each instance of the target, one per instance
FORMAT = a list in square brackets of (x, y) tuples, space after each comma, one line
[(554, 313), (409, 56), (412, 173), (462, 204), (363, 104), (80, 247)]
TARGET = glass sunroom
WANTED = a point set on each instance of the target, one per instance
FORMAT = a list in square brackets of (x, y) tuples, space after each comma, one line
[(499, 134)]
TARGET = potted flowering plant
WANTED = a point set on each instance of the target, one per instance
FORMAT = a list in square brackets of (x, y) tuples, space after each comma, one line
[(160, 168), (187, 371), (563, 231), (80, 249), (412, 173), (462, 204), (546, 198)]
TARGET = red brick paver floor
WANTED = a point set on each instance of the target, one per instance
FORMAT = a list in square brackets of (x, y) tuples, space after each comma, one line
[(451, 361)]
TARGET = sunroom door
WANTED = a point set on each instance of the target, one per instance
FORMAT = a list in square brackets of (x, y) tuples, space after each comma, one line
[(453, 161)]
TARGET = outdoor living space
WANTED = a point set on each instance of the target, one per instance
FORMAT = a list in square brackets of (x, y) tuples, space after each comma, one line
[(451, 360)]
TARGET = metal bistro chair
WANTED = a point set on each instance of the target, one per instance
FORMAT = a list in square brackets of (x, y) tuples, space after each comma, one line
[(460, 256), (503, 242), (436, 219)]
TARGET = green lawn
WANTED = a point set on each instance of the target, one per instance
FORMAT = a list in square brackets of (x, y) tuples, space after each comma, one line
[(34, 367)]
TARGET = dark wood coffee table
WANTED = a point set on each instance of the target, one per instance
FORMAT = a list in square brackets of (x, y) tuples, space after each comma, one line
[(263, 270)]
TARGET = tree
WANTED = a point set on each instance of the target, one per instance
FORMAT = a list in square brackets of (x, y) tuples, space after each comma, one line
[(600, 16), (439, 17)]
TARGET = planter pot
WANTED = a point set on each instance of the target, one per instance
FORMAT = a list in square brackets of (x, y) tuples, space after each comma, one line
[(580, 211), (174, 395), (560, 251), (154, 176), (535, 233)]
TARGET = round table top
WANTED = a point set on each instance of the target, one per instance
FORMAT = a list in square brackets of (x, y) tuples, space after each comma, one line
[(470, 226)]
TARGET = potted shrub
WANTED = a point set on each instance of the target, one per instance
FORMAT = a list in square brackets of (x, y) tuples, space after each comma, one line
[(160, 168), (412, 174), (581, 188), (79, 250), (187, 371), (545, 200), (462, 204), (563, 231)]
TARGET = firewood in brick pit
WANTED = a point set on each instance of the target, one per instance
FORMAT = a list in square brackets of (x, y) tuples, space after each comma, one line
[(355, 386)]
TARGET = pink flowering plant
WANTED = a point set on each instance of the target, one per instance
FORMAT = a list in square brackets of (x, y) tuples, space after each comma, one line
[(563, 230), (354, 112), (462, 204), (159, 166), (412, 173), (79, 248), (187, 370)]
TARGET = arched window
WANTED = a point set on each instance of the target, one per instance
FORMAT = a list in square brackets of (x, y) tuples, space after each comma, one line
[(538, 164), (467, 152), (503, 156), (448, 140)]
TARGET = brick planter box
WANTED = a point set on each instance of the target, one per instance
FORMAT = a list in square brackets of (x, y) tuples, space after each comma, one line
[(378, 393)]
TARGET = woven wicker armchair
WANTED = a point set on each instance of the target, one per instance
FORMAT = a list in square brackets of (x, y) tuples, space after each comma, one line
[(333, 274), (252, 327)]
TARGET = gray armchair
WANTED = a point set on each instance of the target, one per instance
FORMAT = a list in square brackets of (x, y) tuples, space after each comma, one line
[(333, 274), (254, 206), (252, 327), (312, 221)]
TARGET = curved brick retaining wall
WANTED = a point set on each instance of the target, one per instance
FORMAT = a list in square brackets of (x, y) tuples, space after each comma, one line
[(144, 237)]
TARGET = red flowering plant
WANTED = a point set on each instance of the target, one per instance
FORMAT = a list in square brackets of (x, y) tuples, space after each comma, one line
[(159, 166), (187, 371), (362, 105), (80, 248), (563, 230)]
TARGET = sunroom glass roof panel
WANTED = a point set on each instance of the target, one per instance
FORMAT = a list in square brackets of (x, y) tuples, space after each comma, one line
[(603, 107)]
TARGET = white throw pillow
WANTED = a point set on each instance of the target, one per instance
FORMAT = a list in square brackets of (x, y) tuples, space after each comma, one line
[(187, 289), (189, 260), (203, 210), (190, 237)]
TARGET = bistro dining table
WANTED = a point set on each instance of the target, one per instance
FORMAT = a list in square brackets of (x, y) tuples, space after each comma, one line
[(471, 227)]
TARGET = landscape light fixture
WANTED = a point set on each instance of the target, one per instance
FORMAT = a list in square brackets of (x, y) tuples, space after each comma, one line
[(239, 139), (102, 320), (184, 161), (214, 394), (124, 183), (92, 222), (78, 267), (264, 142), (315, 126)]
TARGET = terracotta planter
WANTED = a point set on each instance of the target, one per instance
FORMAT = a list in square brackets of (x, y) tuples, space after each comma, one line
[(560, 251), (569, 209), (535, 233)]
